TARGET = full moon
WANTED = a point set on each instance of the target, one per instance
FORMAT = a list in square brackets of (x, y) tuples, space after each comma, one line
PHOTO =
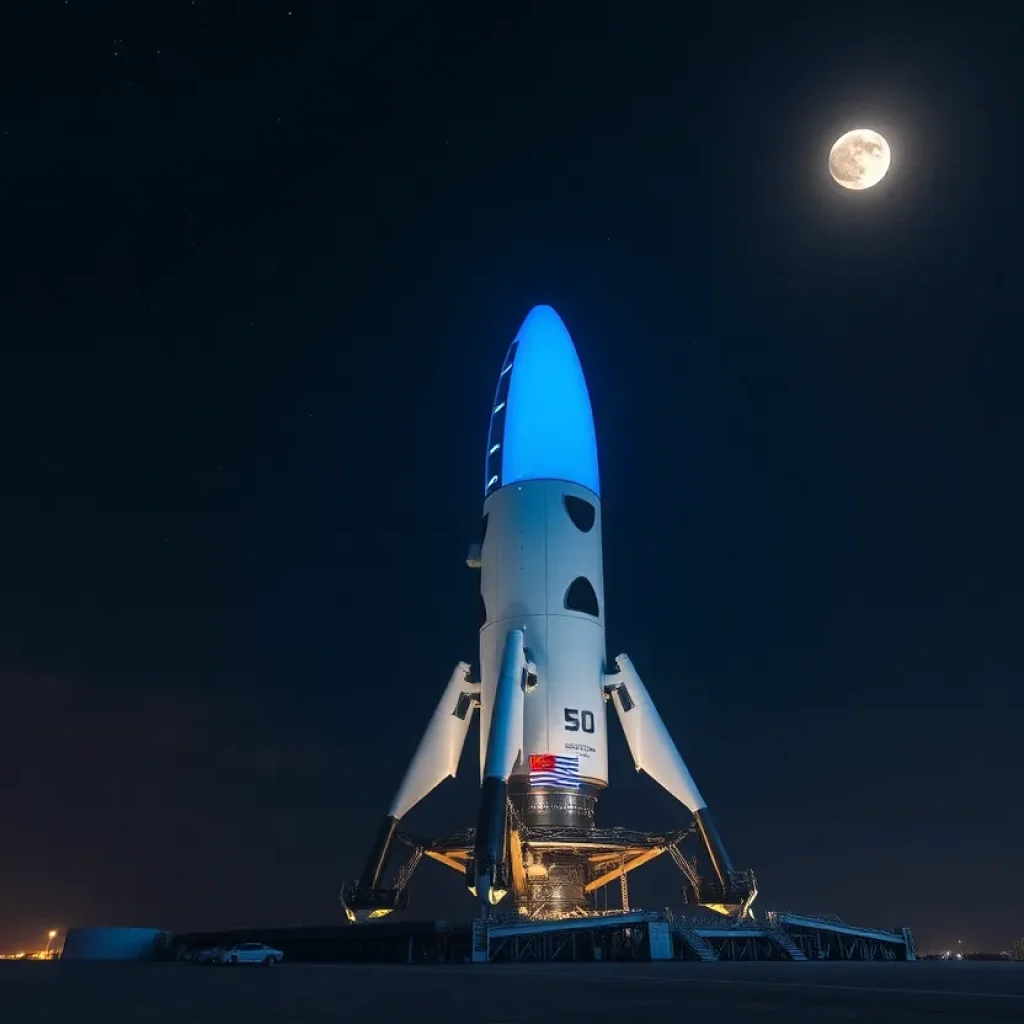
[(859, 159)]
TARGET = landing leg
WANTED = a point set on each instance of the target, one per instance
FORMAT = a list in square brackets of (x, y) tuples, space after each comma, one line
[(436, 758), (487, 872), (655, 753)]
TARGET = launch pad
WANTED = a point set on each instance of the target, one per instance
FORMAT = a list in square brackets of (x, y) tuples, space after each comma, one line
[(537, 854), (544, 681), (556, 871), (635, 936)]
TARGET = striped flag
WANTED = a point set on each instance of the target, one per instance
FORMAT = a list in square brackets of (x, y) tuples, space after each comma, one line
[(555, 770)]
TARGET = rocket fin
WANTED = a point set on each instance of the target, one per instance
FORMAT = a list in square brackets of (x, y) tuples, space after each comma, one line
[(653, 749), (505, 737), (437, 757)]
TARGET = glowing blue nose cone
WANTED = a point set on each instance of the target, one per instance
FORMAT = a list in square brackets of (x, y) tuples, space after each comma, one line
[(542, 427)]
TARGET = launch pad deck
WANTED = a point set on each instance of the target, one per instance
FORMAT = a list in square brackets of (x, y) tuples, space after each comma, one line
[(635, 936)]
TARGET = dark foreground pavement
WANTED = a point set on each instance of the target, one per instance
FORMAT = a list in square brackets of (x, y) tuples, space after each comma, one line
[(726, 993)]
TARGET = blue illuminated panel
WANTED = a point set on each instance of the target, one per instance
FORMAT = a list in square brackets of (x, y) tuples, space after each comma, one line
[(542, 427)]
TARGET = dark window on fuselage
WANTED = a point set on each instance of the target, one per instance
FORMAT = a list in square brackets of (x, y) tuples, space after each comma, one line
[(581, 512), (580, 597)]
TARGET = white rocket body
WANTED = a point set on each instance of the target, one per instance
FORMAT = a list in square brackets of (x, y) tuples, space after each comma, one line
[(532, 553)]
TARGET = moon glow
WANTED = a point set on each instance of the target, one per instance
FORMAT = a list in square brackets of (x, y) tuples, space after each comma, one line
[(859, 159)]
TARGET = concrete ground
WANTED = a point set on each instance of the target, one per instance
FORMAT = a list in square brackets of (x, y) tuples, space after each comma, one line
[(722, 993)]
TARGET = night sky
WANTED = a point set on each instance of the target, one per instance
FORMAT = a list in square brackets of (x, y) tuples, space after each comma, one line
[(261, 267)]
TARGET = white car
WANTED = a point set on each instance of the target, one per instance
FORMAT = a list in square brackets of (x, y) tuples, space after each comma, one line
[(249, 953)]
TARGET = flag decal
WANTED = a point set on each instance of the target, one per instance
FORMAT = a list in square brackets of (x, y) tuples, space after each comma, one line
[(555, 770)]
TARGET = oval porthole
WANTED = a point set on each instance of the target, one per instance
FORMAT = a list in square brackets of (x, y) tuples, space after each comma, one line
[(580, 597), (581, 512)]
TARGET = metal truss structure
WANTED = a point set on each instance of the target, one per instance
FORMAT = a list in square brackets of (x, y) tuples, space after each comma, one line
[(828, 937), (618, 937), (556, 870), (640, 935)]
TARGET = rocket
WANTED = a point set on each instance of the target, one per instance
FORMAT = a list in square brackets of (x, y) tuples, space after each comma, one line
[(544, 682)]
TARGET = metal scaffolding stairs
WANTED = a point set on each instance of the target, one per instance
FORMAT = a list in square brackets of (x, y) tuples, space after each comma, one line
[(702, 949), (786, 944)]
